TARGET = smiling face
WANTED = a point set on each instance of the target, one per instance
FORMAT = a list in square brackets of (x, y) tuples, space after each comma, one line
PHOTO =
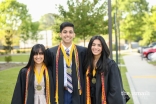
[(67, 35), (96, 48), (39, 57)]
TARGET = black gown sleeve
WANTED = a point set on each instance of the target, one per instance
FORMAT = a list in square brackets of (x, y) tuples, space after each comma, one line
[(115, 86), (51, 83), (18, 95), (49, 57)]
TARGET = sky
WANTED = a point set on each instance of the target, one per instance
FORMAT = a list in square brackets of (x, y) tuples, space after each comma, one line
[(38, 8)]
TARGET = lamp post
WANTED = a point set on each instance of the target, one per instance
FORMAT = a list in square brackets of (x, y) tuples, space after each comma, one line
[(110, 28), (116, 33), (116, 37)]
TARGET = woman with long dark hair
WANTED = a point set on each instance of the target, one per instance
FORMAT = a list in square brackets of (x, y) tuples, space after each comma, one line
[(34, 83), (102, 76)]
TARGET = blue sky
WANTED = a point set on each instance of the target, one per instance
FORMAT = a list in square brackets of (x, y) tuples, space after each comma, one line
[(37, 8)]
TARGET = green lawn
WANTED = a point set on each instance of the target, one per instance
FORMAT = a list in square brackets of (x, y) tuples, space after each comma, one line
[(152, 62), (17, 58), (123, 71), (7, 83)]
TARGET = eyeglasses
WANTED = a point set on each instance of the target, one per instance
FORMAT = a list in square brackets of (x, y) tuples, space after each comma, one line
[(38, 53)]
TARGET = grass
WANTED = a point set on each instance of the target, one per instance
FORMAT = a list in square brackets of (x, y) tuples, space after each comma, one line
[(123, 71), (17, 58), (152, 62), (7, 83)]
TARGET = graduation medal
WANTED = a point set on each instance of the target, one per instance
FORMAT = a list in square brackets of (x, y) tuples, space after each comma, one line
[(39, 77), (69, 70), (39, 87), (93, 80)]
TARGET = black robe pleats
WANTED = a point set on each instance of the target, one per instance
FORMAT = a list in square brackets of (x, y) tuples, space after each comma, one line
[(113, 86), (19, 91), (51, 55)]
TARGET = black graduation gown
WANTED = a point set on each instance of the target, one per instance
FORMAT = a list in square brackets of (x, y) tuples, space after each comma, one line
[(19, 91), (51, 55), (113, 86)]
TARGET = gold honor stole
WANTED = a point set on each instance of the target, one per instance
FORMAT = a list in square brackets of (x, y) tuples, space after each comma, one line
[(38, 75), (39, 78), (68, 61), (103, 97)]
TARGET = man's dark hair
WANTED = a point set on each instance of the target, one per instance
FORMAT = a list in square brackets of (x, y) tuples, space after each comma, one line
[(66, 24)]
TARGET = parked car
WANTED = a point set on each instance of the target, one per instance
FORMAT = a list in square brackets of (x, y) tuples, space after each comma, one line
[(147, 53), (140, 49), (153, 56)]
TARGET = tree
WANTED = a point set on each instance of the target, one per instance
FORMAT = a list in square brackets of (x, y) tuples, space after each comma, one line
[(12, 15), (46, 23), (87, 16), (2, 37), (25, 30), (130, 30), (130, 15), (149, 29), (34, 31), (56, 29), (8, 47)]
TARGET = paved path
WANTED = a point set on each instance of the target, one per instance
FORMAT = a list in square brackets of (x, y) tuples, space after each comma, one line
[(142, 79)]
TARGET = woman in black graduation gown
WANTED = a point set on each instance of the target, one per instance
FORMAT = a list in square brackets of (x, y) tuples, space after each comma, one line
[(34, 83), (102, 76)]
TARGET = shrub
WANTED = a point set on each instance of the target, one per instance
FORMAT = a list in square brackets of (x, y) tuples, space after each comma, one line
[(8, 58), (18, 51), (23, 52), (113, 47)]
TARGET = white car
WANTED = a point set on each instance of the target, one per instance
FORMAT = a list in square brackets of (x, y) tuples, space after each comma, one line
[(153, 56), (140, 49)]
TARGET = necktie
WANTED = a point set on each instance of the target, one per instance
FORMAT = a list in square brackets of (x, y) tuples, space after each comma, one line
[(69, 76)]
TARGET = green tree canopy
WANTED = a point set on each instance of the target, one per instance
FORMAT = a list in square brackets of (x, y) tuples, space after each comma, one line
[(149, 34), (130, 15), (34, 30), (46, 21), (87, 16), (12, 15)]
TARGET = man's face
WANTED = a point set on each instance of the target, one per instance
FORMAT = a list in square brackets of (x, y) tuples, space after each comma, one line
[(67, 35)]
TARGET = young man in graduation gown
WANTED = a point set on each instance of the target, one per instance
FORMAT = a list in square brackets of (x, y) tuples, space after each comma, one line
[(67, 59)]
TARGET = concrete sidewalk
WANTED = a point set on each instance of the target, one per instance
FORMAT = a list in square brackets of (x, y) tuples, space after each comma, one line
[(142, 79)]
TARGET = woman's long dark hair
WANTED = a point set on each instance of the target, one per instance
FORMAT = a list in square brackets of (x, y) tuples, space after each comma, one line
[(31, 63), (102, 62)]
